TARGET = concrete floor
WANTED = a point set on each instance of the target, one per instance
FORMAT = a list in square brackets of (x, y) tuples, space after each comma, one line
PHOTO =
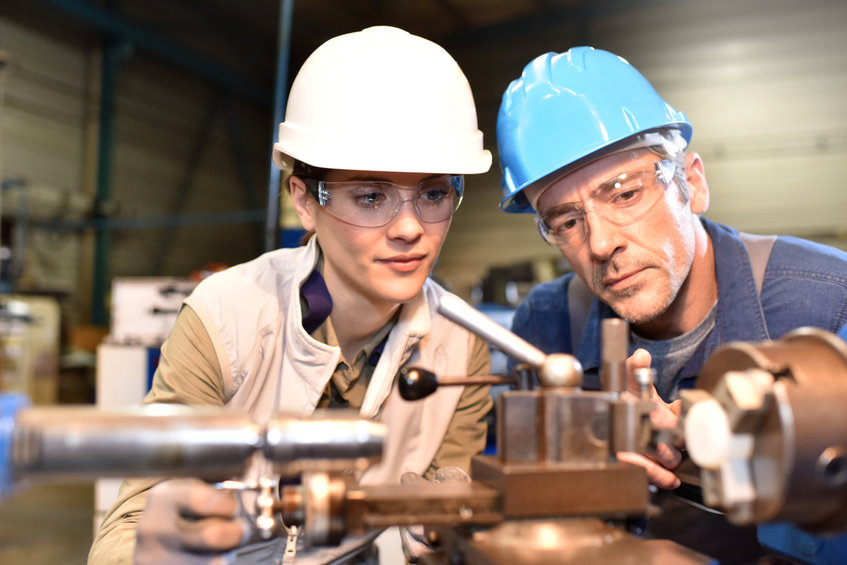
[(47, 525)]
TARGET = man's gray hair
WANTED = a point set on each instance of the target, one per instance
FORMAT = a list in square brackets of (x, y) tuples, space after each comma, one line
[(669, 144)]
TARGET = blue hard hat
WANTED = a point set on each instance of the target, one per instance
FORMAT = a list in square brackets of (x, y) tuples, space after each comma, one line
[(565, 109)]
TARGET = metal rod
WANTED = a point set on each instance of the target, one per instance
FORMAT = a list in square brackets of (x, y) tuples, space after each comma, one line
[(459, 311), (163, 440), (331, 437), (110, 64), (176, 440), (615, 350), (475, 380), (280, 97)]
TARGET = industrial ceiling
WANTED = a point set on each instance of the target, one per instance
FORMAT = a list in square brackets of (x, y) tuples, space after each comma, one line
[(238, 44)]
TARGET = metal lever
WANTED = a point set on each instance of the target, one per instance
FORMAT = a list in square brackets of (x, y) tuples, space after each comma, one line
[(554, 370), (416, 383), (459, 311)]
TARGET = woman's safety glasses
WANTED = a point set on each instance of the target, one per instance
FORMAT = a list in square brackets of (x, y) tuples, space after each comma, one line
[(622, 200), (374, 203)]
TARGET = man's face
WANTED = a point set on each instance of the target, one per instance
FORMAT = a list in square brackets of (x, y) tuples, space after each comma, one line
[(637, 269)]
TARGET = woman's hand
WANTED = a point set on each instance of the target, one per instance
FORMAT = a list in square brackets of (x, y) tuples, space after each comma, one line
[(187, 521)]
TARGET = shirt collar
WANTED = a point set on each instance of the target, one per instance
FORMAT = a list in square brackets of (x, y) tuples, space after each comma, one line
[(317, 303), (371, 351), (317, 306)]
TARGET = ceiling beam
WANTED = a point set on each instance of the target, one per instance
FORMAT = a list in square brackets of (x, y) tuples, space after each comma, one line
[(116, 26), (547, 15)]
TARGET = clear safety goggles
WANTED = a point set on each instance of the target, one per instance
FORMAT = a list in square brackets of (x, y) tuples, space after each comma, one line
[(373, 203), (622, 200)]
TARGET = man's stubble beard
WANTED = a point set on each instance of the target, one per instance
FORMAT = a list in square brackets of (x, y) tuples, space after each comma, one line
[(614, 299)]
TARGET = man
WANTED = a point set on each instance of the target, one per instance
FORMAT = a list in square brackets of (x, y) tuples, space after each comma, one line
[(589, 146), (380, 127)]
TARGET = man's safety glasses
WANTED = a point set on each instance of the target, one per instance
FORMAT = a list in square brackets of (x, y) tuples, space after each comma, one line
[(374, 203), (622, 200)]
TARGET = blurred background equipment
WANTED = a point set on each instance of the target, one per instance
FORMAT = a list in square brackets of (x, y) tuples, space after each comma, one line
[(143, 311), (29, 346)]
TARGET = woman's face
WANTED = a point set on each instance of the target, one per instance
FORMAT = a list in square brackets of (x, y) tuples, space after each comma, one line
[(379, 266)]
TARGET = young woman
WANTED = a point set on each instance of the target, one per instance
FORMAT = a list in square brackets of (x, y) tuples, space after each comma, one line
[(380, 127)]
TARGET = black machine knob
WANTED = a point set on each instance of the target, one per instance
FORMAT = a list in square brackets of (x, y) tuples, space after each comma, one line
[(416, 383)]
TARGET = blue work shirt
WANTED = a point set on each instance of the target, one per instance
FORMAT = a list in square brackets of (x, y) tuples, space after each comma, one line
[(805, 284)]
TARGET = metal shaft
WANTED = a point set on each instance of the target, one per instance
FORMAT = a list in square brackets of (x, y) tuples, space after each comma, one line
[(459, 311), (475, 380), (176, 440), (161, 440), (331, 439), (615, 349)]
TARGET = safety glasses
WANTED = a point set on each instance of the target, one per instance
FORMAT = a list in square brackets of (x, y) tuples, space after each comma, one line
[(622, 200), (374, 203)]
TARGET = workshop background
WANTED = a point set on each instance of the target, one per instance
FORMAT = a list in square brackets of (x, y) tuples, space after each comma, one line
[(135, 144)]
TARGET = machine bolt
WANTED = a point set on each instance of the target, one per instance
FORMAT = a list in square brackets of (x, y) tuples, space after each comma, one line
[(560, 370), (644, 377), (832, 467)]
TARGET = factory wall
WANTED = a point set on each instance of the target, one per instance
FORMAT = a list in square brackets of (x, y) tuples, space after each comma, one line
[(174, 153), (762, 82)]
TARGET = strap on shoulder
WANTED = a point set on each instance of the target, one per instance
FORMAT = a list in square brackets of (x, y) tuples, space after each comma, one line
[(759, 250), (579, 305)]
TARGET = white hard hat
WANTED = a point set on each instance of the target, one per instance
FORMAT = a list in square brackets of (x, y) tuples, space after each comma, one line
[(382, 99)]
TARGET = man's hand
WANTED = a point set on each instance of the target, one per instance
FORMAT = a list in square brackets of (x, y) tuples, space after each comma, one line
[(659, 467), (187, 521)]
